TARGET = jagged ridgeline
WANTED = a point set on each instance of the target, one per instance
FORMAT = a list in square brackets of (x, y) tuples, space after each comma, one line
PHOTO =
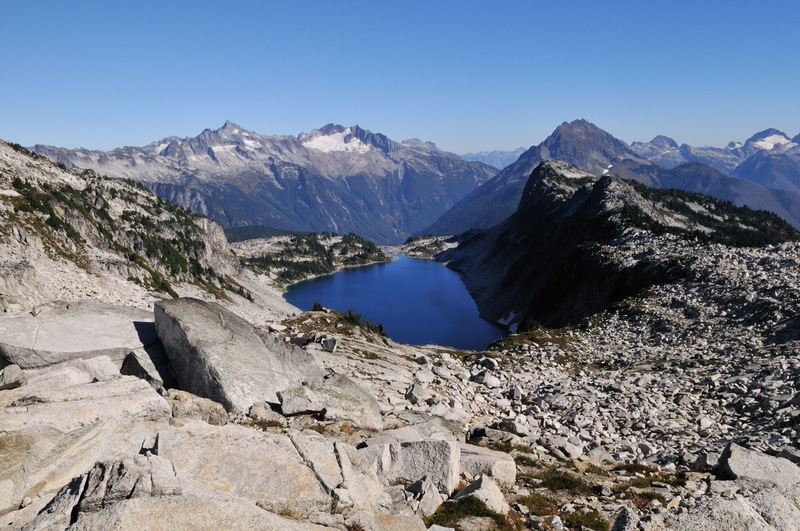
[(579, 243), (96, 222)]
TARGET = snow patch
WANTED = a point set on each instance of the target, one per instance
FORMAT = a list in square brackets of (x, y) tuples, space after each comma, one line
[(771, 141), (10, 193), (507, 319), (336, 142)]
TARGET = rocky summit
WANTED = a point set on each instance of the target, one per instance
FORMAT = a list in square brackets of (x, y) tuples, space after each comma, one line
[(667, 400)]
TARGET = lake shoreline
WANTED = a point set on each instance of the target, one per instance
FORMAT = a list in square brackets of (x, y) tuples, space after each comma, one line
[(429, 304)]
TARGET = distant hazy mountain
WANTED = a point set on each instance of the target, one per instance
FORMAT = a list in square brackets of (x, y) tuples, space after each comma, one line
[(495, 159), (668, 154), (336, 179), (763, 172)]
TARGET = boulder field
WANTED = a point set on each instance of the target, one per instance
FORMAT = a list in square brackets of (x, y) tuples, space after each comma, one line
[(208, 421)]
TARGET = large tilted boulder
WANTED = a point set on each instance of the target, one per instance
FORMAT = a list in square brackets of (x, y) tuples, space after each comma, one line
[(337, 397), (220, 356), (740, 463), (64, 420), (64, 331)]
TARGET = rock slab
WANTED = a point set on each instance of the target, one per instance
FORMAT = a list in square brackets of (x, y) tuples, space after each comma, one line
[(740, 463), (338, 397), (83, 329)]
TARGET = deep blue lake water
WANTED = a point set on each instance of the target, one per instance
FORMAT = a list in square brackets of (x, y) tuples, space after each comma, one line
[(417, 302)]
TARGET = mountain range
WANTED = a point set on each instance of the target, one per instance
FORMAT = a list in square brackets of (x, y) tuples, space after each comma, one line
[(335, 179), (763, 172), (348, 179)]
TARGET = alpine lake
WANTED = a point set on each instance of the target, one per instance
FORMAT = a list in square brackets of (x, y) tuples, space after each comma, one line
[(417, 301)]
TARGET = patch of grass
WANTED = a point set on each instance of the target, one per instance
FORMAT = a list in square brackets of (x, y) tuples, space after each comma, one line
[(506, 447), (590, 520), (539, 504), (349, 429), (288, 512), (524, 460), (642, 499), (355, 526), (633, 468), (596, 470), (319, 428), (554, 479), (448, 514), (675, 480)]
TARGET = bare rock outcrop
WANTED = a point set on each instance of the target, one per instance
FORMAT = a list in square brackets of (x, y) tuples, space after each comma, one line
[(337, 397), (64, 331), (218, 355), (145, 492), (740, 463), (64, 420), (251, 464)]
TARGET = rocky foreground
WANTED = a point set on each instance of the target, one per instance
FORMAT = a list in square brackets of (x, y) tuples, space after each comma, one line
[(675, 410)]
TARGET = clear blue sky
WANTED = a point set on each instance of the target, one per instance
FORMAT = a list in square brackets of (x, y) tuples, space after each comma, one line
[(467, 75)]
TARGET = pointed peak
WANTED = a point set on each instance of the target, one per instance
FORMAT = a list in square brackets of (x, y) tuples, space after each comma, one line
[(664, 141), (767, 133), (231, 127)]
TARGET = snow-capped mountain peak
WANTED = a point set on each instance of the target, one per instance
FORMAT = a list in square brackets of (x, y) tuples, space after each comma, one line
[(337, 138), (772, 141)]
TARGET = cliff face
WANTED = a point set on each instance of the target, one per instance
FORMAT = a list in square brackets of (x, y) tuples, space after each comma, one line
[(560, 257)]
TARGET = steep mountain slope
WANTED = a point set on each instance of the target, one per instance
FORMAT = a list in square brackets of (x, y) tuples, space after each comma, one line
[(72, 235), (776, 168), (660, 162), (579, 142), (333, 179), (570, 249), (701, 178)]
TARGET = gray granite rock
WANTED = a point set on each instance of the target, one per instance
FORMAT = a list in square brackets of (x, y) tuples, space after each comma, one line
[(740, 463), (64, 331), (337, 397), (220, 356)]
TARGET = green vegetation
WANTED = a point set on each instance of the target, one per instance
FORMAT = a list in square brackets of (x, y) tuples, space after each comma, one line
[(42, 201), (737, 226), (540, 504), (448, 514), (590, 520), (555, 479), (308, 255), (356, 319), (158, 236), (240, 234)]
